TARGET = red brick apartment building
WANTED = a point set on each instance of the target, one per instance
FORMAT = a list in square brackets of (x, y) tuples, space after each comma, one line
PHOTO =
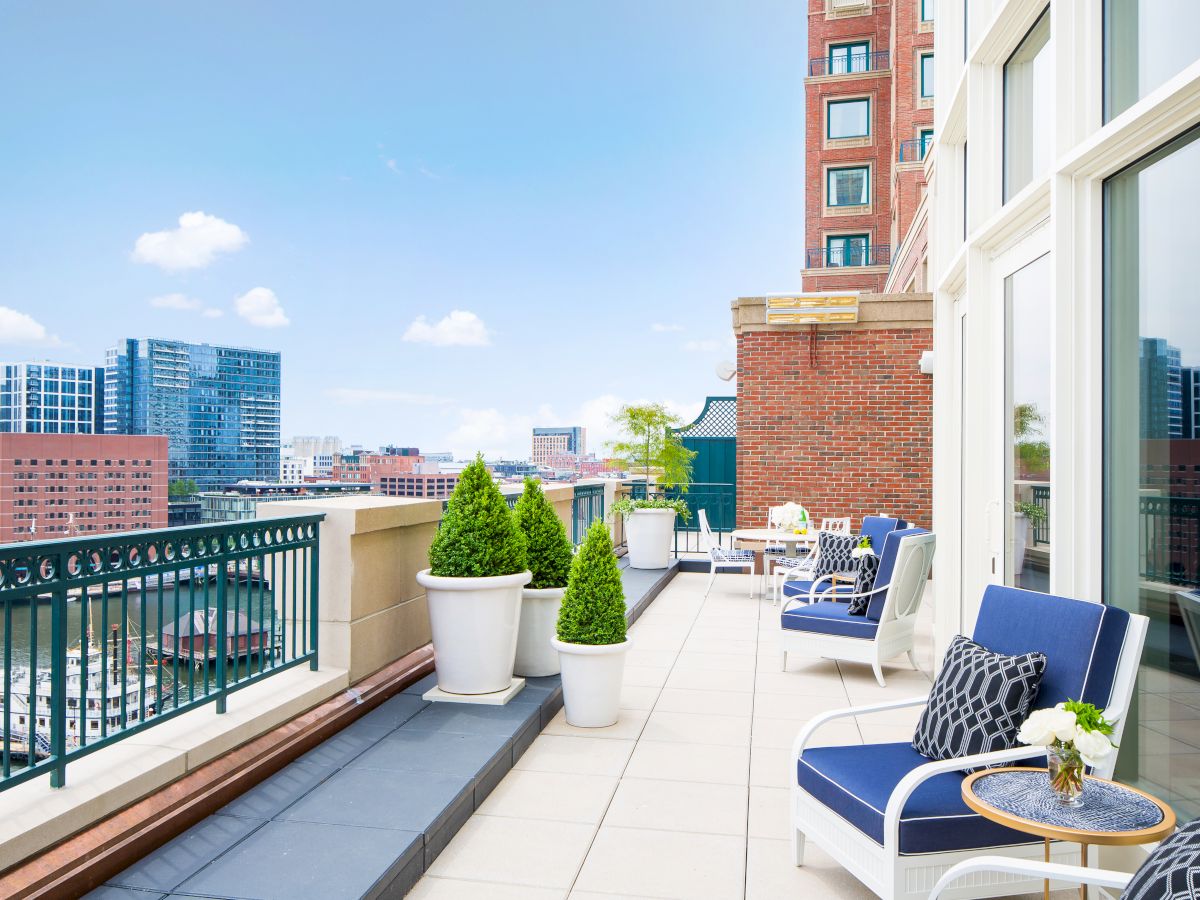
[(372, 468), (433, 486), (80, 484), (869, 121)]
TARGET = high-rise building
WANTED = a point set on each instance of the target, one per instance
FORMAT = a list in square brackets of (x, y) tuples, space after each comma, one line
[(549, 442), (58, 485), (218, 407), (1160, 385), (869, 121), (47, 398), (312, 445), (1189, 389)]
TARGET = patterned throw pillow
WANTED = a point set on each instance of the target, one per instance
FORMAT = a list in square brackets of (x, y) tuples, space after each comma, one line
[(868, 571), (978, 702), (833, 553), (1172, 871)]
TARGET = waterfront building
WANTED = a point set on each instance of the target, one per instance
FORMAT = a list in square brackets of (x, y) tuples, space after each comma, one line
[(59, 485), (218, 406), (869, 125), (239, 502), (47, 398), (549, 442)]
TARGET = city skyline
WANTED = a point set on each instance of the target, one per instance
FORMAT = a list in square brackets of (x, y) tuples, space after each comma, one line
[(392, 222)]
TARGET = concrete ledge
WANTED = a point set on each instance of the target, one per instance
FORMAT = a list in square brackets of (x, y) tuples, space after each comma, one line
[(875, 311)]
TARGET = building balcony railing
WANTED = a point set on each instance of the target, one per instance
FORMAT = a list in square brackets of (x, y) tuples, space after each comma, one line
[(842, 257), (912, 151), (854, 64), (104, 637)]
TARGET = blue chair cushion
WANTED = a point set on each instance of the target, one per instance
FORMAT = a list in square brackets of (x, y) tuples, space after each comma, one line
[(828, 617), (887, 567), (1081, 641), (856, 782), (877, 528), (801, 588)]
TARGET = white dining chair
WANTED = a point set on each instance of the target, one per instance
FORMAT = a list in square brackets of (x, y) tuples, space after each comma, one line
[(720, 558)]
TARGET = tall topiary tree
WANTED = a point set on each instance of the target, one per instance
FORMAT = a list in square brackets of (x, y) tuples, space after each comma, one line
[(478, 535), (549, 548), (593, 608)]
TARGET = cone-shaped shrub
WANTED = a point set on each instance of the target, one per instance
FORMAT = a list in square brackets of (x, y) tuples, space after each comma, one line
[(549, 548), (593, 608), (478, 536)]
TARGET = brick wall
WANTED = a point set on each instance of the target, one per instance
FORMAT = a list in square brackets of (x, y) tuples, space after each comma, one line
[(851, 435)]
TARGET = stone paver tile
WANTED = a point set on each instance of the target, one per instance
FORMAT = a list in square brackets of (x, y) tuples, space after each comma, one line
[(557, 796), (171, 864), (634, 696), (716, 628), (781, 732), (771, 767), (803, 684), (516, 851), (430, 888), (689, 728), (770, 812), (272, 796), (658, 659), (630, 723), (704, 680), (770, 874), (645, 676), (728, 645), (709, 703), (580, 755), (798, 707), (706, 763), (408, 801), (665, 864), (678, 806), (715, 662)]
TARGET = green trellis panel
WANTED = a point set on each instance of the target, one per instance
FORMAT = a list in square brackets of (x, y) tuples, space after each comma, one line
[(714, 470)]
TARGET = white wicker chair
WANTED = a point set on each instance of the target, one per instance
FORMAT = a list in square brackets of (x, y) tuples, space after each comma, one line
[(720, 558)]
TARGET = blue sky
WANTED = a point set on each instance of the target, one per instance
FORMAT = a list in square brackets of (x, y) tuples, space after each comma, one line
[(569, 174)]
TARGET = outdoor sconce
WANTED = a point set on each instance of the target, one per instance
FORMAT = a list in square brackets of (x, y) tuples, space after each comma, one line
[(926, 364)]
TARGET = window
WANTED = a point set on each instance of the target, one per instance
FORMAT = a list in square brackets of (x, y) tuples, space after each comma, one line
[(927, 8), (1151, 524), (1146, 42), (848, 119), (849, 186), (847, 250), (926, 75), (1028, 109), (846, 58), (926, 140)]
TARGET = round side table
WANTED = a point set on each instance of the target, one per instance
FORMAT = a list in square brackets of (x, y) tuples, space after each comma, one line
[(1112, 814)]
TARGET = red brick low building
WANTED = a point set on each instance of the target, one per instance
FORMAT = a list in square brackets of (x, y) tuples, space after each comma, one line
[(56, 485), (836, 417)]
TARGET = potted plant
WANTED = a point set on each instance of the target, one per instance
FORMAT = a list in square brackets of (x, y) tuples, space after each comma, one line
[(473, 586), (651, 444), (1024, 516), (549, 560), (1075, 735), (592, 639)]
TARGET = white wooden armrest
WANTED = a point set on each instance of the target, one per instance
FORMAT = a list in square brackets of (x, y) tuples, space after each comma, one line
[(914, 779), (817, 721), (1034, 869), (842, 595)]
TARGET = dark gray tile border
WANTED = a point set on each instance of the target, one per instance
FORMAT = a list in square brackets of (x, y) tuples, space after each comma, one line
[(305, 861), (269, 798), (470, 718), (371, 798), (393, 713), (439, 752), (177, 860), (108, 892)]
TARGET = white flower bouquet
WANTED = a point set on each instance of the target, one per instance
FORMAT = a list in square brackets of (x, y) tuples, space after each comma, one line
[(1075, 735), (791, 517)]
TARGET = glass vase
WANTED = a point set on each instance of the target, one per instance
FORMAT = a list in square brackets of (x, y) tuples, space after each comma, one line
[(1066, 775)]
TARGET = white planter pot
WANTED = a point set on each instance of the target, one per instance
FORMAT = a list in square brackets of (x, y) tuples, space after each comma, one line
[(474, 623), (1020, 541), (648, 533), (536, 655), (591, 682)]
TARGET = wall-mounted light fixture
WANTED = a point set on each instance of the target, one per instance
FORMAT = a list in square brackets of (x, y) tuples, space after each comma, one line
[(926, 364)]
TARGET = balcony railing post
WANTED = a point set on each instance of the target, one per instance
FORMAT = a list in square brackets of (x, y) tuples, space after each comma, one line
[(222, 629), (313, 598), (58, 677)]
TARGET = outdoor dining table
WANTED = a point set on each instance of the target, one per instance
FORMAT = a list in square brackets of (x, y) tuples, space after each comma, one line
[(789, 539)]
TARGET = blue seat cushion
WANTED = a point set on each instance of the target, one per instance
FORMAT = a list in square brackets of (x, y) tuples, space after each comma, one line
[(1082, 641), (828, 617), (855, 782), (800, 588)]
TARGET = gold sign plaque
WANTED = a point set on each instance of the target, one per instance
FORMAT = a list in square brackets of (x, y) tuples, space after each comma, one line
[(812, 309)]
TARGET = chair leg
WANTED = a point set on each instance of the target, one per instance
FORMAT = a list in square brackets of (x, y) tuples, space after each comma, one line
[(878, 670), (783, 661), (912, 660), (797, 846)]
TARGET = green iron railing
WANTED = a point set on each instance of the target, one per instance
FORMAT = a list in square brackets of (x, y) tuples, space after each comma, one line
[(107, 636), (587, 506), (719, 500), (1041, 529)]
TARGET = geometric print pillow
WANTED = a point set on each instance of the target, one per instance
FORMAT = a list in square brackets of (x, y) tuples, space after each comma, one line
[(978, 702), (864, 581), (833, 553), (1172, 871)]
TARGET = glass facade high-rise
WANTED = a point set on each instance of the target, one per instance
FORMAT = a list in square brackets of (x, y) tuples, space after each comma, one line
[(218, 407), (45, 398)]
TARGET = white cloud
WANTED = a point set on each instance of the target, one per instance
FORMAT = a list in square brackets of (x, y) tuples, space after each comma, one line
[(260, 307), (666, 326), (20, 328), (365, 396), (702, 346), (459, 329), (194, 244), (175, 301)]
